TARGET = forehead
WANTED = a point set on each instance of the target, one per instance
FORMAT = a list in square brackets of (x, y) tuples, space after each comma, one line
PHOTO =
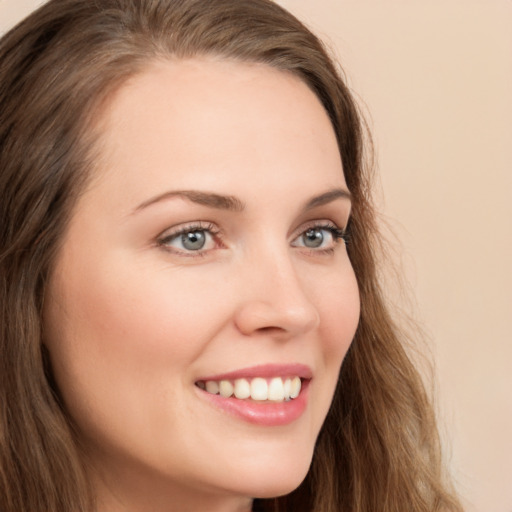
[(213, 121)]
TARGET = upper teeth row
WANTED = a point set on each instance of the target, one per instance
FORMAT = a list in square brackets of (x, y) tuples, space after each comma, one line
[(276, 389)]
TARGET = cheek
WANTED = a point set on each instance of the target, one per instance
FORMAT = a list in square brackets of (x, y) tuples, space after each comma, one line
[(125, 337), (140, 314), (338, 304), (122, 345), (339, 308)]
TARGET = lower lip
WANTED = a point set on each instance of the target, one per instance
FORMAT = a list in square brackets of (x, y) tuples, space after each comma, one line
[(267, 414)]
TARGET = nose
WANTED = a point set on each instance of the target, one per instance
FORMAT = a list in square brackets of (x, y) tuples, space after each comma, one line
[(274, 301)]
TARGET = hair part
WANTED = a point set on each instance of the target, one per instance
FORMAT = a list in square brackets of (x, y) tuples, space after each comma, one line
[(378, 448)]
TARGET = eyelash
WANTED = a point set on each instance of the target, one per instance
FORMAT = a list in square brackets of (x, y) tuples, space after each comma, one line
[(206, 227), (337, 234)]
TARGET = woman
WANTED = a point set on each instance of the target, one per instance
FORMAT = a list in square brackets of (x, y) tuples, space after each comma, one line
[(187, 261)]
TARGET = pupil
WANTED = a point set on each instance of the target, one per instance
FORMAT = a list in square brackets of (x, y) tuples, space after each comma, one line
[(194, 240), (313, 238)]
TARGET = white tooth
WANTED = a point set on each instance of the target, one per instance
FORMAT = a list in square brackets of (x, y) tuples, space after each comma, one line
[(225, 388), (276, 389), (287, 388), (242, 389), (295, 388), (212, 387), (259, 389)]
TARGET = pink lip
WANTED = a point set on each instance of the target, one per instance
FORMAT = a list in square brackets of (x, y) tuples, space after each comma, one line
[(265, 371), (268, 414)]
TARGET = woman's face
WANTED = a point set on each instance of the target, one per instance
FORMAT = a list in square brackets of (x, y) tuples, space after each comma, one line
[(206, 254)]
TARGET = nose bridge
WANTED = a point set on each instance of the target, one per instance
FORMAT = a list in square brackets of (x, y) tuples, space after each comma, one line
[(278, 274), (274, 296)]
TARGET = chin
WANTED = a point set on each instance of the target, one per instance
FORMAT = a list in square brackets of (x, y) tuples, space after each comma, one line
[(273, 477)]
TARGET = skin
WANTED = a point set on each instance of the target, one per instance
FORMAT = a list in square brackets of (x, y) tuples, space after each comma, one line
[(131, 322)]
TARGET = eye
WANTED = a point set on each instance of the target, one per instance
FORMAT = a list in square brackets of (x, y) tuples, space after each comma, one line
[(322, 237), (189, 239), (193, 240)]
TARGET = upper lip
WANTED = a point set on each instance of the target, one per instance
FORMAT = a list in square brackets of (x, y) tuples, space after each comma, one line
[(264, 370)]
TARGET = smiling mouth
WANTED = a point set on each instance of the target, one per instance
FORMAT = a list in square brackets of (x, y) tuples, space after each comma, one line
[(259, 389)]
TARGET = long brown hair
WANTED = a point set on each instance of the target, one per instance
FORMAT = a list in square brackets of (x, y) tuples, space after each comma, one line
[(378, 448)]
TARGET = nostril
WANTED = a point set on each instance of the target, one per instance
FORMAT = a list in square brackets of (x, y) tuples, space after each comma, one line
[(270, 330)]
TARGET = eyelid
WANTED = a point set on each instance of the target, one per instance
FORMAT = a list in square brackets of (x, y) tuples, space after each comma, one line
[(174, 232), (318, 223), (337, 235)]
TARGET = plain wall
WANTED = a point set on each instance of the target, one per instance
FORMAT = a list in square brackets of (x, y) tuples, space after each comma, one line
[(436, 78)]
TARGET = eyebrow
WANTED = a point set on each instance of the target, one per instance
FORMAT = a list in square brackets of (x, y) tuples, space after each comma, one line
[(328, 197), (210, 199), (232, 203)]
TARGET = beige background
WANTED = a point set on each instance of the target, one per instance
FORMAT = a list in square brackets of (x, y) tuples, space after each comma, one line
[(436, 77)]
